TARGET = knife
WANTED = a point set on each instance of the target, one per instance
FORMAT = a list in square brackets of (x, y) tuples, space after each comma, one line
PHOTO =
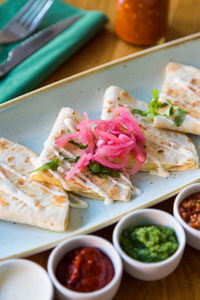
[(34, 43)]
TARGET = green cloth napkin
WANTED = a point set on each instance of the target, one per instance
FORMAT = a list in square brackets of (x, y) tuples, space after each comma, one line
[(27, 75)]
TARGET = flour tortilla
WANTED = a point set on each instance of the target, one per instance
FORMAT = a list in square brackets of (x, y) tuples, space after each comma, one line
[(84, 183), (182, 87), (166, 150), (25, 201)]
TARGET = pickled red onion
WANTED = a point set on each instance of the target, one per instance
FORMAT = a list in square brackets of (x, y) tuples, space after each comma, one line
[(82, 162), (61, 141), (86, 133), (127, 117), (109, 142)]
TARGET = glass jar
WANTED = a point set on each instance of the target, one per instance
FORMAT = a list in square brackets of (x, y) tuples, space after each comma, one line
[(141, 22)]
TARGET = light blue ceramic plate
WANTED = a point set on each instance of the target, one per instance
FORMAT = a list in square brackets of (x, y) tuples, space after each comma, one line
[(28, 120)]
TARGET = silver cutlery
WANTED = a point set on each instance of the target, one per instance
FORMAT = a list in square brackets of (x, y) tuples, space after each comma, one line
[(34, 43), (26, 21)]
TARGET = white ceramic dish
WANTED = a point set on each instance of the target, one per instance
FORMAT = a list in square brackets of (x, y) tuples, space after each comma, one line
[(22, 279), (106, 293), (192, 235), (28, 120), (150, 271)]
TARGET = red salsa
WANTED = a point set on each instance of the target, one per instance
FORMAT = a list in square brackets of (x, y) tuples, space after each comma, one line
[(141, 22), (189, 210), (85, 270)]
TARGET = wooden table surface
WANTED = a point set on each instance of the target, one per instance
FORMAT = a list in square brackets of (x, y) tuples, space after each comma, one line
[(184, 19)]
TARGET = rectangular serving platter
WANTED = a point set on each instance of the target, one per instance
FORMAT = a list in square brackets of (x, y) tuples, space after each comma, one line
[(28, 120)]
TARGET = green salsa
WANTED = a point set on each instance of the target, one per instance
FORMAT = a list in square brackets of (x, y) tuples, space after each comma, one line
[(149, 243)]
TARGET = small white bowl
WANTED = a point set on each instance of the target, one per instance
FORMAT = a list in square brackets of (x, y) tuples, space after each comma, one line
[(149, 271), (22, 279), (192, 234), (107, 292)]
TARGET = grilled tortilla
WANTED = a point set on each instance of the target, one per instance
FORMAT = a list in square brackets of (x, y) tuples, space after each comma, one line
[(84, 183), (166, 150), (25, 201), (182, 88)]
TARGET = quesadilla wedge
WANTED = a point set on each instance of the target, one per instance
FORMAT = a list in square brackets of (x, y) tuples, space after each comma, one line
[(166, 150), (25, 201), (181, 89), (85, 183)]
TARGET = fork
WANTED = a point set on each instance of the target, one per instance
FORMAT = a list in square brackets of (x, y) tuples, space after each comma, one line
[(26, 21)]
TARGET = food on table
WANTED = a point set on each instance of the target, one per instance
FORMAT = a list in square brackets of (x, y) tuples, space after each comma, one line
[(189, 210), (74, 161), (106, 144), (21, 279), (94, 158), (85, 270), (166, 150), (25, 201), (181, 89), (150, 243), (166, 109), (141, 22)]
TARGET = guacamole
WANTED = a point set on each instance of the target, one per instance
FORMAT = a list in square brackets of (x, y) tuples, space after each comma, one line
[(149, 243)]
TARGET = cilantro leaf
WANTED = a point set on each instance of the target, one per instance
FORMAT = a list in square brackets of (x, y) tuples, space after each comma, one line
[(150, 117), (160, 105), (53, 165), (169, 112), (140, 112), (98, 169), (79, 145), (72, 159), (155, 94), (94, 167), (180, 117), (170, 102), (153, 107)]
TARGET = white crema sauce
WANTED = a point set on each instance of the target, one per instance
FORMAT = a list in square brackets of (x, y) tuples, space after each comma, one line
[(22, 284)]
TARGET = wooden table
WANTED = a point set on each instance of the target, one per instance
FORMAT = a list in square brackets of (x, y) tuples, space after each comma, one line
[(184, 19)]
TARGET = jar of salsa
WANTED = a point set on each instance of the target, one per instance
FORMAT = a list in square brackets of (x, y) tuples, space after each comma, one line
[(141, 22)]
